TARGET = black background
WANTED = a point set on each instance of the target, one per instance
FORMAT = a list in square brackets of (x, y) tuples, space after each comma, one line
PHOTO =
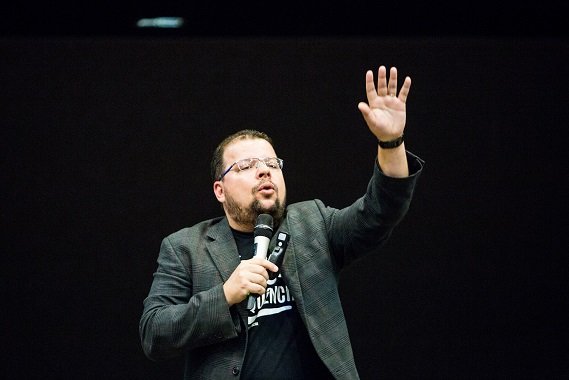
[(292, 18), (107, 132)]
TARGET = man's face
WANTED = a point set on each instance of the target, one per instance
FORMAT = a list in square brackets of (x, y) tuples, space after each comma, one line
[(246, 194)]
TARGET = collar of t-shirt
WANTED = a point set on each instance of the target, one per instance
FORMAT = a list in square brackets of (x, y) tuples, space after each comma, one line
[(244, 241)]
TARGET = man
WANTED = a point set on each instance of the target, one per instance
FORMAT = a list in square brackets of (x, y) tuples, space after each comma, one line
[(206, 274)]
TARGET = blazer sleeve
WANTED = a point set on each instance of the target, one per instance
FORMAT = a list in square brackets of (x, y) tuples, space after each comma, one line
[(366, 225), (174, 319)]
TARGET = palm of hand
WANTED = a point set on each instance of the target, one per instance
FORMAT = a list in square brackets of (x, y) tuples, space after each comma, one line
[(387, 116)]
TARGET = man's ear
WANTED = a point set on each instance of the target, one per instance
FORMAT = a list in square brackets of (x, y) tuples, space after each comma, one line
[(219, 191)]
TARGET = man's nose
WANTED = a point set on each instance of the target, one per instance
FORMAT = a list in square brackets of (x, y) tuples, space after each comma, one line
[(263, 169)]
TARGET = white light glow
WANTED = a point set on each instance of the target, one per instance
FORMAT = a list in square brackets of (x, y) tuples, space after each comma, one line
[(160, 22)]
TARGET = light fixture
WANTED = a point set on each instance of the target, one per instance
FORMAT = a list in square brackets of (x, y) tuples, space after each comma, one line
[(160, 22)]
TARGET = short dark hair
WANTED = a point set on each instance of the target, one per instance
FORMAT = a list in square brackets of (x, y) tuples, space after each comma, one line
[(217, 165)]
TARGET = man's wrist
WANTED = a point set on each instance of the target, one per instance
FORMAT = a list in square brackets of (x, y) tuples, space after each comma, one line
[(391, 143)]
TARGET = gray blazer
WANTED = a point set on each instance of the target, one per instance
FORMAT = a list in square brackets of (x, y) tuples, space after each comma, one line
[(186, 311)]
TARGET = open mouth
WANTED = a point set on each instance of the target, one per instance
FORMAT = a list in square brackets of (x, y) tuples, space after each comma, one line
[(266, 187)]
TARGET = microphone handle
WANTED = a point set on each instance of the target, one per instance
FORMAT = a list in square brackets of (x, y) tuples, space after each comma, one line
[(260, 248), (251, 301)]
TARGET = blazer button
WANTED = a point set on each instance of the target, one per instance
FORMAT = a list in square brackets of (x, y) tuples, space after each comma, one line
[(235, 371)]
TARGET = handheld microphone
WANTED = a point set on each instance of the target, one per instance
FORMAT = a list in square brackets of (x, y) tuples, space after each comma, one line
[(263, 233)]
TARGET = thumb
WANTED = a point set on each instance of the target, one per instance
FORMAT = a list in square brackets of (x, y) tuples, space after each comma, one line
[(364, 108), (366, 112)]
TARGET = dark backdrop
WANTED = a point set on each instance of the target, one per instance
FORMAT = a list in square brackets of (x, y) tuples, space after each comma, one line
[(106, 144)]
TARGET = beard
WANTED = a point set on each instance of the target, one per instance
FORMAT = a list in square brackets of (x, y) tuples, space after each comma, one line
[(247, 216)]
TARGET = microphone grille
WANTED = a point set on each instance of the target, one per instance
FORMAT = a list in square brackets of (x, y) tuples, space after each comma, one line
[(264, 225)]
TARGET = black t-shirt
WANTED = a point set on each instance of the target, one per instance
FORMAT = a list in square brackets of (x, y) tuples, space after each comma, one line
[(279, 346)]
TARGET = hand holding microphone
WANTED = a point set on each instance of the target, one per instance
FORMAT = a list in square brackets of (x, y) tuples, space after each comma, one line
[(249, 276), (239, 283)]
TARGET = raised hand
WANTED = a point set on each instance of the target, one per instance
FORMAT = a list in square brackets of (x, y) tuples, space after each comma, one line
[(385, 111)]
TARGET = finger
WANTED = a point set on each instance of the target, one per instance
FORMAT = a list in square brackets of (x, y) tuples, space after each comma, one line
[(259, 289), (269, 266), (404, 92), (257, 285), (392, 86), (370, 88), (261, 266), (382, 81), (258, 279)]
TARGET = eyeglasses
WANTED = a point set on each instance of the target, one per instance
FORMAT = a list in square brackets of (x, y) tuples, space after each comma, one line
[(248, 163)]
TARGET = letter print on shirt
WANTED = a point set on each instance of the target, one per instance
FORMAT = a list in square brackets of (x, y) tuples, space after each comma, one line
[(277, 299)]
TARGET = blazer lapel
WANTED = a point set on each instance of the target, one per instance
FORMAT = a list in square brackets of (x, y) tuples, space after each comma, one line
[(222, 248), (289, 266)]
